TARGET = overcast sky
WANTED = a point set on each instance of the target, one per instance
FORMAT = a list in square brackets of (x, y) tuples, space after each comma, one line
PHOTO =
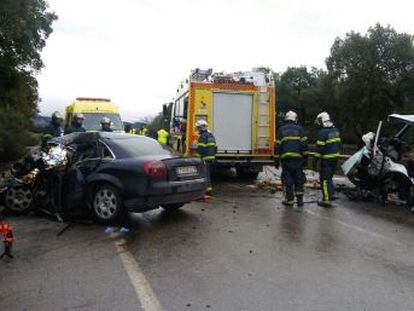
[(137, 51)]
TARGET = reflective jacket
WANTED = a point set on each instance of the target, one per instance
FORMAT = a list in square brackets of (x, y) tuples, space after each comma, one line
[(328, 144), (206, 146), (143, 131), (291, 142), (51, 131), (162, 136)]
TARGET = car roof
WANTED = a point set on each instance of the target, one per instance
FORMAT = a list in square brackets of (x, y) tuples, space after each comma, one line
[(407, 118), (84, 137)]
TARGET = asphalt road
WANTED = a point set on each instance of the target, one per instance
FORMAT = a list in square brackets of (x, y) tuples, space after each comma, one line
[(241, 251)]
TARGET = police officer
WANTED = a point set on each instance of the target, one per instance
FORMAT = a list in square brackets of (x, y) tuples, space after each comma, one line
[(54, 128), (291, 152), (328, 147), (206, 149), (77, 124), (106, 125), (162, 137)]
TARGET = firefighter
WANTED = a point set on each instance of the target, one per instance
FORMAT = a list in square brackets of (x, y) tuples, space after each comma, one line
[(162, 137), (143, 131), (328, 147), (54, 129), (206, 149), (7, 231), (77, 124), (291, 153), (106, 125)]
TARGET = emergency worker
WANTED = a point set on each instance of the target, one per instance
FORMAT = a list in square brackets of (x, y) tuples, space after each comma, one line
[(54, 128), (162, 137), (291, 153), (328, 147), (77, 124), (106, 125), (206, 149), (8, 238), (143, 131)]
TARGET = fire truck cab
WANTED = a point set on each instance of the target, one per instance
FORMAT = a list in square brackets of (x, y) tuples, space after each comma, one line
[(240, 110)]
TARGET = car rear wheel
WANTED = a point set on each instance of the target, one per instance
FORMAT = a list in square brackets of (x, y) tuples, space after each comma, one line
[(107, 204), (18, 200), (172, 207)]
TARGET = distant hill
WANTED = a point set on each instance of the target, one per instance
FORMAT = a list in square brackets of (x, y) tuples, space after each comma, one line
[(40, 121)]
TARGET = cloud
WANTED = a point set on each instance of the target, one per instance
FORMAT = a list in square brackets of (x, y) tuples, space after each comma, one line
[(137, 51)]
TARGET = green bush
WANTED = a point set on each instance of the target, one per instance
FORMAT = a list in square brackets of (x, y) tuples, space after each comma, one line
[(14, 135)]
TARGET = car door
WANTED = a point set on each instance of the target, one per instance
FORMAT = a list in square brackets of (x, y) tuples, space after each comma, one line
[(85, 161)]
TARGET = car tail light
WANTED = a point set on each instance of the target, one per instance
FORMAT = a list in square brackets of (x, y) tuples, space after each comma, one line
[(155, 169)]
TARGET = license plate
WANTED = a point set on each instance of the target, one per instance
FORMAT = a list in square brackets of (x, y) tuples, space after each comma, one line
[(187, 171)]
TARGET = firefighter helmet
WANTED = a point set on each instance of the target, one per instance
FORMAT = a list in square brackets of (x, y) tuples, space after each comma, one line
[(291, 116), (323, 119)]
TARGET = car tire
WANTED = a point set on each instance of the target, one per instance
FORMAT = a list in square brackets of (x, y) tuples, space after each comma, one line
[(18, 200), (172, 207), (107, 204)]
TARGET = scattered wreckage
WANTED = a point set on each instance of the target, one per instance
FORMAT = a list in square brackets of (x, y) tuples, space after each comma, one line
[(385, 165), (107, 174)]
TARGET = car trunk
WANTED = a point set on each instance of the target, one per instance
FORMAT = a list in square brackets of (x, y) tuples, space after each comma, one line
[(180, 168)]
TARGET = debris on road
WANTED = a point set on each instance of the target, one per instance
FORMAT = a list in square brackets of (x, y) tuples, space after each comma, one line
[(270, 179), (61, 231)]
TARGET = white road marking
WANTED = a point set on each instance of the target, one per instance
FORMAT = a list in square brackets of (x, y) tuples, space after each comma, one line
[(142, 287), (354, 227)]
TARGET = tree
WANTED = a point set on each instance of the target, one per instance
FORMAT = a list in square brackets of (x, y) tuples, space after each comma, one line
[(371, 75), (24, 27), (306, 92)]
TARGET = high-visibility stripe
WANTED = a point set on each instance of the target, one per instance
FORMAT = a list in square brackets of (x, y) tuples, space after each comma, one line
[(326, 191), (291, 154), (198, 155), (206, 145), (329, 141), (288, 138), (278, 141), (209, 158), (326, 156), (304, 138), (331, 156), (333, 140)]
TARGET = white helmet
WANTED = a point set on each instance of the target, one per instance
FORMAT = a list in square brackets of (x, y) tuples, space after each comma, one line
[(291, 116), (105, 120), (57, 116), (201, 124), (323, 119)]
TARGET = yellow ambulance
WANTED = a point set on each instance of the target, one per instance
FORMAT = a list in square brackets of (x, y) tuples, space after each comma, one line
[(94, 109)]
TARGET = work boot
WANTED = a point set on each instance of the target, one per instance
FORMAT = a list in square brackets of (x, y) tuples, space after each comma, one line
[(209, 191), (325, 204), (287, 203), (299, 200)]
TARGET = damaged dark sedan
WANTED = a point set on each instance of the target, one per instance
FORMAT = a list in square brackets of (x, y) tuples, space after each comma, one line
[(108, 174)]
